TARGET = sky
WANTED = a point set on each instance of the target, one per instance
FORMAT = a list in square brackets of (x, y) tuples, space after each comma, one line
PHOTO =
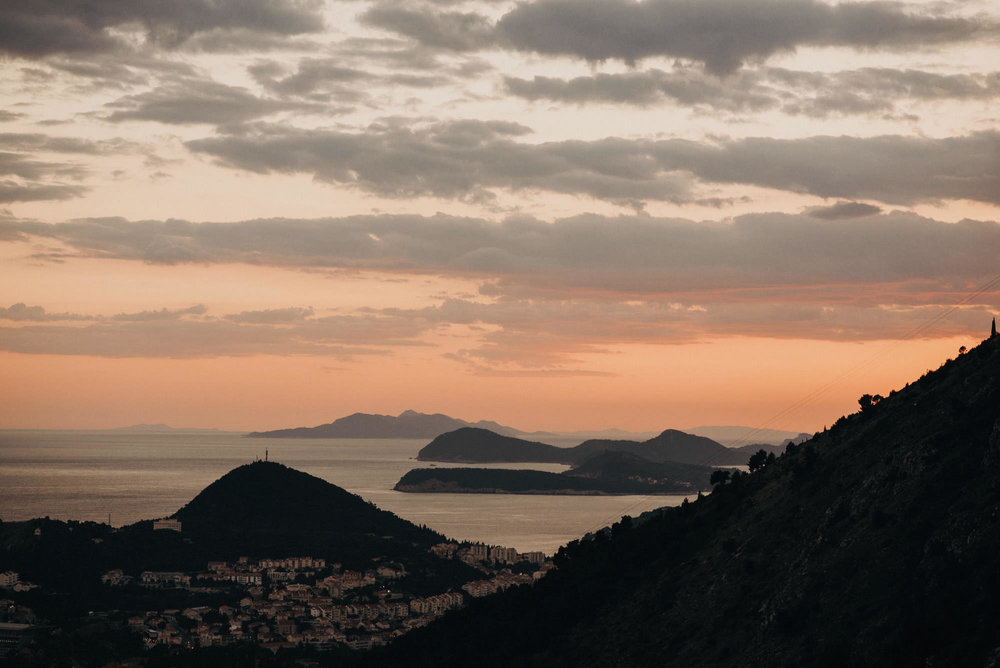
[(555, 214)]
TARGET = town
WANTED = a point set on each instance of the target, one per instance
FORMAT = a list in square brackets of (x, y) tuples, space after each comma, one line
[(306, 601)]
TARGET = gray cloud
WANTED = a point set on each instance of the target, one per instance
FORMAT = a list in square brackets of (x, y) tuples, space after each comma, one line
[(783, 256), (456, 31), (161, 315), (12, 191), (31, 180), (39, 28), (815, 94), (724, 34), (465, 159), (189, 101), (554, 291), (20, 312), (35, 141), (172, 333), (312, 74), (842, 210), (272, 316)]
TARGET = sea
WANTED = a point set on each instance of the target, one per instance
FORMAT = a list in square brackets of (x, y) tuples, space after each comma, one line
[(122, 477)]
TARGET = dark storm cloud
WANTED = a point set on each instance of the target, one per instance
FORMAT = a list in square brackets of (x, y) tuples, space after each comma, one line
[(35, 28), (186, 102), (816, 94), (723, 34), (464, 159)]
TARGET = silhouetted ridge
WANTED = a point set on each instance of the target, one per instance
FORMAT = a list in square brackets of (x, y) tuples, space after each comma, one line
[(408, 424), (481, 445), (875, 543)]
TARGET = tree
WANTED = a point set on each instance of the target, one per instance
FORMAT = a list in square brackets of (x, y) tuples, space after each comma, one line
[(720, 477), (867, 401), (758, 460)]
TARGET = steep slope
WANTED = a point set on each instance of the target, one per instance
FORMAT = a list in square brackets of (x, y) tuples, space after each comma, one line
[(408, 424), (874, 543)]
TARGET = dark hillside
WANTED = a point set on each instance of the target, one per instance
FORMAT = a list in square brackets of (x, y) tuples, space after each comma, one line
[(268, 509), (875, 543)]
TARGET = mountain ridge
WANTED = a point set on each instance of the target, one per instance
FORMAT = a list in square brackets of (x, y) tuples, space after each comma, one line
[(872, 544), (474, 445)]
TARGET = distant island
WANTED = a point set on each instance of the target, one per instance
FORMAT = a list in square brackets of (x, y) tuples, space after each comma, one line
[(162, 429), (408, 424), (607, 473), (474, 445), (412, 424)]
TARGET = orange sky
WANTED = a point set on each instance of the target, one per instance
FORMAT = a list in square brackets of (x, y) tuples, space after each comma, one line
[(289, 212)]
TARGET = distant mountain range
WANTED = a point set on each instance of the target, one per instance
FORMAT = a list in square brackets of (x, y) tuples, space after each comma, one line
[(408, 424), (474, 445), (412, 424)]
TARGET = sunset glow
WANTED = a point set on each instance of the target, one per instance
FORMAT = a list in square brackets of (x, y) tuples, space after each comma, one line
[(286, 212)]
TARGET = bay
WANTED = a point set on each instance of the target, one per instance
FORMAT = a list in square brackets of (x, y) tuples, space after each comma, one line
[(129, 476)]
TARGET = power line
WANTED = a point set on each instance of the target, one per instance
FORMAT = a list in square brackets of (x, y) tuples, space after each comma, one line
[(823, 389)]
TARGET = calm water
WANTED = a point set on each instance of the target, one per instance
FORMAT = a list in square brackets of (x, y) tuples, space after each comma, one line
[(85, 475)]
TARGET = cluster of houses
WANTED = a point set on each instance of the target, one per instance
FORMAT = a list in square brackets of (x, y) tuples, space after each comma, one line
[(306, 601)]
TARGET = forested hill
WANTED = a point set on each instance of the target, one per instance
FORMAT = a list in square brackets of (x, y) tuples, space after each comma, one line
[(267, 508), (874, 543)]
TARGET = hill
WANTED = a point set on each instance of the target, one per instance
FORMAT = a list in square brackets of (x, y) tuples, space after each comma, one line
[(483, 446), (262, 509), (669, 446), (473, 445), (408, 424), (608, 473), (872, 544)]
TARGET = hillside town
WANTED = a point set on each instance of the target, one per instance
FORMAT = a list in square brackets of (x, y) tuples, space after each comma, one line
[(305, 601)]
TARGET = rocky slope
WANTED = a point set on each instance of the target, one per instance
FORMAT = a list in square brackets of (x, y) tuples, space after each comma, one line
[(874, 543)]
